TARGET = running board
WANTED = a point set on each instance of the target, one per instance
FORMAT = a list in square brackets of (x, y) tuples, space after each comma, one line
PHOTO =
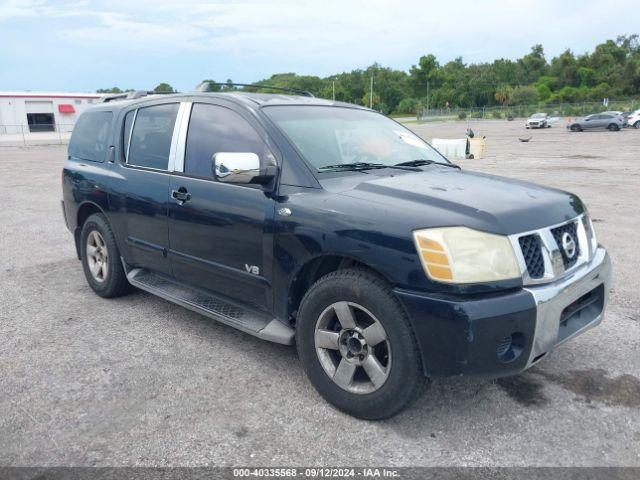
[(204, 303)]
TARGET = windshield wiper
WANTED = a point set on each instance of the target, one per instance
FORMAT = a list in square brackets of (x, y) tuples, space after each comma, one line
[(421, 162), (353, 166), (359, 166)]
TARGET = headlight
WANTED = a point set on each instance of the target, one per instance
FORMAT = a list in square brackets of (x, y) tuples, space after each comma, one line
[(464, 255)]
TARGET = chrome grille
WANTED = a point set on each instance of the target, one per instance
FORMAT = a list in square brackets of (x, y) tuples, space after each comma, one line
[(541, 255)]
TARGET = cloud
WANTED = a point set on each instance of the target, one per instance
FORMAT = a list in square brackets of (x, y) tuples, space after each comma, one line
[(247, 40)]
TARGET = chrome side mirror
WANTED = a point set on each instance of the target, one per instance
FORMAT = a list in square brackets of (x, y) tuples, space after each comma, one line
[(236, 167)]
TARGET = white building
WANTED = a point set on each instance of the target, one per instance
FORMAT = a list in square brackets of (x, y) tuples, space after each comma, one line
[(24, 112)]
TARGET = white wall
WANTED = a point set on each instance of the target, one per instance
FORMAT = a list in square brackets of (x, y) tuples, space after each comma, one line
[(13, 111)]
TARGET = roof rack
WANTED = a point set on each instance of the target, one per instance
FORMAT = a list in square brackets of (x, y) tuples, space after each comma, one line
[(206, 87), (130, 95)]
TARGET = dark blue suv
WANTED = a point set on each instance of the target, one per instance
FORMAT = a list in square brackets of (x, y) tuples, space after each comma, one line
[(297, 219)]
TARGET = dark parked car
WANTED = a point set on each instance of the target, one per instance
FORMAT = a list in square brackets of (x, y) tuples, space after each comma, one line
[(597, 121), (326, 224)]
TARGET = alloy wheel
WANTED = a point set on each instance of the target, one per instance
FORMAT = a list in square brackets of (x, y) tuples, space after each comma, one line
[(97, 256), (353, 347)]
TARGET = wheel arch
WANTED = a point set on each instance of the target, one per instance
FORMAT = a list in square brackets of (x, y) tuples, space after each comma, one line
[(85, 210), (317, 267)]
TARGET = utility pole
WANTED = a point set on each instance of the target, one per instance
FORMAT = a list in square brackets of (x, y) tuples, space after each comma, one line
[(371, 94), (427, 97)]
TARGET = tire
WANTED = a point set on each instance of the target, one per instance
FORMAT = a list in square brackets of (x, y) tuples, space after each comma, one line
[(398, 377), (613, 127), (101, 258), (637, 124), (576, 128)]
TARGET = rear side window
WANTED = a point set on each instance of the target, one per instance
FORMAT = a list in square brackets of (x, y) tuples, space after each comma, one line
[(91, 136), (214, 129), (151, 136)]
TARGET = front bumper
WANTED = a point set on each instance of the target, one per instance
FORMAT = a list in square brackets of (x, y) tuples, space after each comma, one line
[(502, 333)]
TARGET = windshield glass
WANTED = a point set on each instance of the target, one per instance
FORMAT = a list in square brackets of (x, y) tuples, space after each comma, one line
[(333, 136), (538, 115)]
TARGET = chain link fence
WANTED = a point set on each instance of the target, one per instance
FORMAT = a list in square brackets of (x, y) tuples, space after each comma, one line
[(35, 134), (525, 111)]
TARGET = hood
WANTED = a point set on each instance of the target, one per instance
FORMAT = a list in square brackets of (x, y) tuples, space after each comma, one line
[(442, 196)]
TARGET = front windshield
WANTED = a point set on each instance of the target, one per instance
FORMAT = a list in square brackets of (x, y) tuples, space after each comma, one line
[(538, 115), (333, 136)]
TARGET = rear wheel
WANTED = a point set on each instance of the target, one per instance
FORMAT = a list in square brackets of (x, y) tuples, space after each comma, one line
[(613, 127), (356, 345), (101, 258), (576, 128)]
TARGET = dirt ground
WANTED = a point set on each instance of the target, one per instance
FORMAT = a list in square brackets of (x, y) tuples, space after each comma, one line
[(139, 381)]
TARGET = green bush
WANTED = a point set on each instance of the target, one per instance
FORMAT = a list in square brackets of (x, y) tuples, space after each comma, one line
[(496, 114), (462, 115), (407, 105)]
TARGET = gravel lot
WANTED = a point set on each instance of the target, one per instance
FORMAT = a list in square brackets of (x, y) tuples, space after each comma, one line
[(139, 381)]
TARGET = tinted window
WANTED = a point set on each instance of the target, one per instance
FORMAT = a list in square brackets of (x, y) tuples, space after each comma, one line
[(214, 129), (151, 136), (91, 136)]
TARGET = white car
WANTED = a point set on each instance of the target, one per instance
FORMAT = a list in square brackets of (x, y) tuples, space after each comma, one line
[(538, 120), (634, 119)]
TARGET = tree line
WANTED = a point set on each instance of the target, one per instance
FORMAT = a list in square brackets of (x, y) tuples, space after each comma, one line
[(611, 70)]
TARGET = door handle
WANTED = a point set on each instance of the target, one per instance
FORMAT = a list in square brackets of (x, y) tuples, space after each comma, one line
[(181, 195)]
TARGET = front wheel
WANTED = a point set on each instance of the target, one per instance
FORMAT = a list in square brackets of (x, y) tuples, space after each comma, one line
[(637, 124), (576, 128), (357, 347), (613, 127)]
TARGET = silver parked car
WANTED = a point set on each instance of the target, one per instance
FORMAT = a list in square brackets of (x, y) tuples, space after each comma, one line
[(597, 121), (538, 120)]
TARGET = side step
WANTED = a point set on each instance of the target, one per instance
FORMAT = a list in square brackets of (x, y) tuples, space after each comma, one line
[(211, 306)]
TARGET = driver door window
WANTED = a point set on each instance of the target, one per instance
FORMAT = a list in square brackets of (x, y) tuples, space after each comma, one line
[(214, 129)]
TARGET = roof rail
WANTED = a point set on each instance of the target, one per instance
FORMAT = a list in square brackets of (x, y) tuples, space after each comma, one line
[(206, 87), (113, 97), (132, 95)]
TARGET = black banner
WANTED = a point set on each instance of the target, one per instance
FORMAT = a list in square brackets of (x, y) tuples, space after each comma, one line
[(404, 473)]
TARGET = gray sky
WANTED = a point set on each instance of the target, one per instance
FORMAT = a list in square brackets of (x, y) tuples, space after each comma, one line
[(85, 45)]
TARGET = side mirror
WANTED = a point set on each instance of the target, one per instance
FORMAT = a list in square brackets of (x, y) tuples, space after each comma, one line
[(240, 167)]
